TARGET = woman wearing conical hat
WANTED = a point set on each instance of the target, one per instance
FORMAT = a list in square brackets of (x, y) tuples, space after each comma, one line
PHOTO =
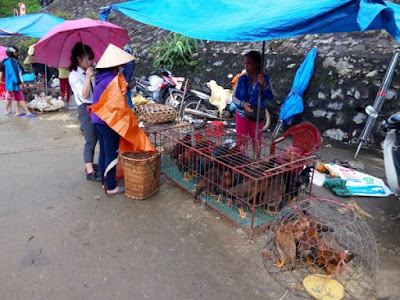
[(107, 70)]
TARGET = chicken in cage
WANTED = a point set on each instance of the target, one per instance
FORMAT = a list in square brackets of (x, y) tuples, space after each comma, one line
[(321, 247)]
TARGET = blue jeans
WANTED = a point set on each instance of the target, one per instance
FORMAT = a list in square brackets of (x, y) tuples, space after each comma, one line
[(109, 142)]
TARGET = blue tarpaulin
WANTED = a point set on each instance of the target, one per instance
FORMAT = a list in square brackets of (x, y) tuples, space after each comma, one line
[(259, 20), (33, 25)]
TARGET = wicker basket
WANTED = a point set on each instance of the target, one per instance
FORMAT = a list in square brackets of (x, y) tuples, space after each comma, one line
[(155, 113), (141, 173)]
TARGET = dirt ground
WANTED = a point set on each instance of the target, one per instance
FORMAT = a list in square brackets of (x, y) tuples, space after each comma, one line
[(59, 242)]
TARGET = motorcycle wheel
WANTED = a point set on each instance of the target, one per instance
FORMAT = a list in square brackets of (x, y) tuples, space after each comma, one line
[(192, 103), (267, 120), (174, 100)]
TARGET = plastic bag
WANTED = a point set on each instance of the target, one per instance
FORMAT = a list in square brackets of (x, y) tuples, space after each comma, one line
[(155, 83), (219, 96)]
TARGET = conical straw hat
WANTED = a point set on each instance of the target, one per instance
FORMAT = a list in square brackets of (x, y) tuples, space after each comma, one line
[(113, 56), (29, 60)]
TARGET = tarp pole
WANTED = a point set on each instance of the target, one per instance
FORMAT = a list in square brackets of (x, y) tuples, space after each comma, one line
[(259, 99), (45, 76), (379, 100)]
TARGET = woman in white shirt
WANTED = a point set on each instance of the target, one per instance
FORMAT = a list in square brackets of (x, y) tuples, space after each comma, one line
[(80, 80)]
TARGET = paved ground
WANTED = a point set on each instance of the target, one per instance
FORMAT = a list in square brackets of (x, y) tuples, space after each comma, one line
[(59, 242)]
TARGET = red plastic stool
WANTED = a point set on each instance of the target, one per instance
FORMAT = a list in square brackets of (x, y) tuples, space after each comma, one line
[(216, 129), (305, 137)]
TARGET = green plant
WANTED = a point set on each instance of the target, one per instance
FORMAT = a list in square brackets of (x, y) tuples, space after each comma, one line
[(91, 15), (24, 43), (174, 52), (63, 15)]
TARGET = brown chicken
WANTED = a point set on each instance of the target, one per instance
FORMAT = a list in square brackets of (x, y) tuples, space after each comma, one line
[(287, 234), (271, 193), (225, 182), (209, 183), (185, 163), (181, 146), (308, 243), (240, 194), (330, 256), (203, 143)]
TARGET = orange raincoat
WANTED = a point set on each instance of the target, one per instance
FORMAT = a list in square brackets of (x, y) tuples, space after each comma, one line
[(113, 109)]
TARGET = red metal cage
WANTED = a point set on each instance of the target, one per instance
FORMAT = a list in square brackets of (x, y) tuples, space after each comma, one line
[(240, 178)]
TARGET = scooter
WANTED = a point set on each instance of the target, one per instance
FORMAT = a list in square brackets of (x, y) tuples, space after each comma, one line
[(391, 149), (165, 90), (197, 106)]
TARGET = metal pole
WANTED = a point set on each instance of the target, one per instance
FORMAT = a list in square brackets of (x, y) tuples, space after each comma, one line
[(45, 76), (277, 128), (379, 100), (259, 98), (178, 118)]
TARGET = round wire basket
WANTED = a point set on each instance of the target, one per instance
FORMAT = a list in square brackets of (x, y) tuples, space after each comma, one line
[(155, 113), (322, 240)]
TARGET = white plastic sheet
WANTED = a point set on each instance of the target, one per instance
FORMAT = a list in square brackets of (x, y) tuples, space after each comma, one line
[(361, 184)]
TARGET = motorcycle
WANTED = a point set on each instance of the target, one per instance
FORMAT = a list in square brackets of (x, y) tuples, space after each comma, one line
[(165, 90), (391, 149), (197, 106)]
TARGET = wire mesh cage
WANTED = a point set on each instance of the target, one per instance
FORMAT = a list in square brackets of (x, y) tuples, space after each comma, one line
[(319, 243), (246, 181)]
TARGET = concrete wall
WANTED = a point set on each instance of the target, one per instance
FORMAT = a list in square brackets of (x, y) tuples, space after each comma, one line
[(348, 71)]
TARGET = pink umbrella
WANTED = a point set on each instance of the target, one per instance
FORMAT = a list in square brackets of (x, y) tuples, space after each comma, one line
[(55, 47), (3, 54)]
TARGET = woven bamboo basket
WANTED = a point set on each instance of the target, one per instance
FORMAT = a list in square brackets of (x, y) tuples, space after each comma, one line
[(141, 173), (155, 113)]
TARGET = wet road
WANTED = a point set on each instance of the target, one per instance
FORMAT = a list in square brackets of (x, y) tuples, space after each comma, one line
[(59, 242)]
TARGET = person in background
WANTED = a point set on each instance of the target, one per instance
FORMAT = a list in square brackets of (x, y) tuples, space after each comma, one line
[(11, 76), (63, 74), (15, 12), (107, 69), (22, 8), (4, 94), (80, 80), (128, 71), (246, 95), (40, 71)]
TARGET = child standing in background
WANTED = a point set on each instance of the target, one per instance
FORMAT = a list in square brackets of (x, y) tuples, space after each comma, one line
[(22, 8)]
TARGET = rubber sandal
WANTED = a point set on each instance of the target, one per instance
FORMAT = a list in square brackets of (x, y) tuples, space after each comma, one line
[(31, 115), (20, 115), (121, 190)]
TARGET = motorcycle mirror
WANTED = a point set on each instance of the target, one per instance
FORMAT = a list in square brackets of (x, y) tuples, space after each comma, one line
[(230, 76), (371, 112)]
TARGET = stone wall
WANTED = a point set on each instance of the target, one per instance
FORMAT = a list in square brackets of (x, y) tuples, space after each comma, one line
[(348, 71)]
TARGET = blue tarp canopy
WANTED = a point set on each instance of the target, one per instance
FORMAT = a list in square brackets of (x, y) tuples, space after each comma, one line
[(259, 20), (33, 25)]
